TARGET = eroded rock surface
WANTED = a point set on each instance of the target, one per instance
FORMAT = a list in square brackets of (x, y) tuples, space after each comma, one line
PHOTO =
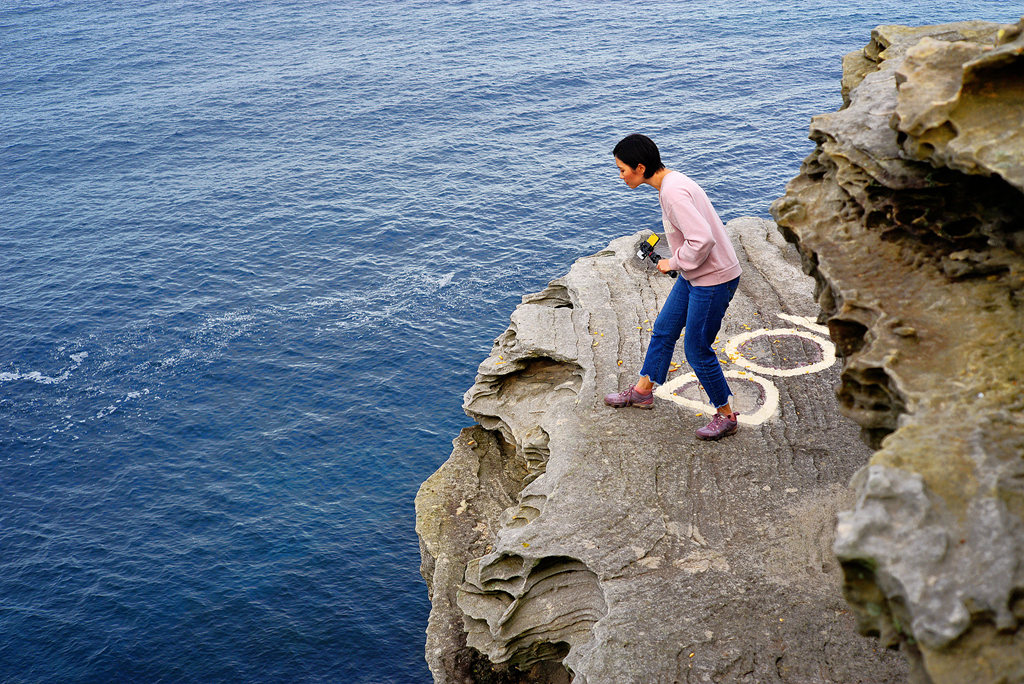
[(567, 540), (910, 216)]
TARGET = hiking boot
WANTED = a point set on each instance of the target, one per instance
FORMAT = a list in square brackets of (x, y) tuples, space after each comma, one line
[(630, 397), (719, 427)]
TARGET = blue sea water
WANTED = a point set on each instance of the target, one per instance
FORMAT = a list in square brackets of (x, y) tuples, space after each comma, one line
[(252, 252)]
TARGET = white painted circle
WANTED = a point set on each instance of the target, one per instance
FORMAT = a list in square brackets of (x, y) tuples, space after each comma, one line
[(767, 410), (804, 321), (828, 352)]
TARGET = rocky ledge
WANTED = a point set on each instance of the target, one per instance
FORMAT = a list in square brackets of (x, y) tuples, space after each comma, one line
[(910, 216), (567, 540)]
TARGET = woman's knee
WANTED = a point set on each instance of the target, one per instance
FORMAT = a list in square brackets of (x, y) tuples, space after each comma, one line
[(664, 335), (698, 353)]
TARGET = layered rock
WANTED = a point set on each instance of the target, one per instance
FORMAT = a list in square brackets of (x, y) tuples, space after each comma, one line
[(567, 540), (910, 216)]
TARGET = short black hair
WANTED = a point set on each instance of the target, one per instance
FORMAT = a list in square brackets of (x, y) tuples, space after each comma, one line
[(637, 149)]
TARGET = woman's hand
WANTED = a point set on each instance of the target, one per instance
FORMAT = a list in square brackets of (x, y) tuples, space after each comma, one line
[(663, 266)]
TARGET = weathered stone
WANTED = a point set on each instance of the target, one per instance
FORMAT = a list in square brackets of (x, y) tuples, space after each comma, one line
[(961, 106), (891, 41), (565, 536), (910, 216)]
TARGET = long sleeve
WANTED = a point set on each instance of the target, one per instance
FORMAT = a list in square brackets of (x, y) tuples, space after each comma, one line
[(698, 240), (701, 249)]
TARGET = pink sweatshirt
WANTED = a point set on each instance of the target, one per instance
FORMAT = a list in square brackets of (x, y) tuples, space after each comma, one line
[(701, 250)]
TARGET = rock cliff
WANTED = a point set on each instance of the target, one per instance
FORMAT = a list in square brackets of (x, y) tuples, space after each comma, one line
[(565, 539), (910, 216)]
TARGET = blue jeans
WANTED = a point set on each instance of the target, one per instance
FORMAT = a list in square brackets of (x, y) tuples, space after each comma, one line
[(700, 309)]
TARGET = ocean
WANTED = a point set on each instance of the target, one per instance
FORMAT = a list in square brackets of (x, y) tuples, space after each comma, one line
[(251, 254)]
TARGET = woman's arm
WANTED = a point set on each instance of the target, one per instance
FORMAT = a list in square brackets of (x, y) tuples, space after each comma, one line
[(697, 238)]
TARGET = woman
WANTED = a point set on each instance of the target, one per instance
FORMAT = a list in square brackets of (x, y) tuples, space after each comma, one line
[(704, 256)]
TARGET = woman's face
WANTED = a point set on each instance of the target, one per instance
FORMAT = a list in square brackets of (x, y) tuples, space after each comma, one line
[(632, 177)]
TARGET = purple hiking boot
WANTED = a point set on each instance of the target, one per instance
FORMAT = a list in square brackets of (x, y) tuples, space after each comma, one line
[(630, 397), (719, 427)]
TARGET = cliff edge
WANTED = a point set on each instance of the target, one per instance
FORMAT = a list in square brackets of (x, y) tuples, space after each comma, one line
[(565, 539)]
